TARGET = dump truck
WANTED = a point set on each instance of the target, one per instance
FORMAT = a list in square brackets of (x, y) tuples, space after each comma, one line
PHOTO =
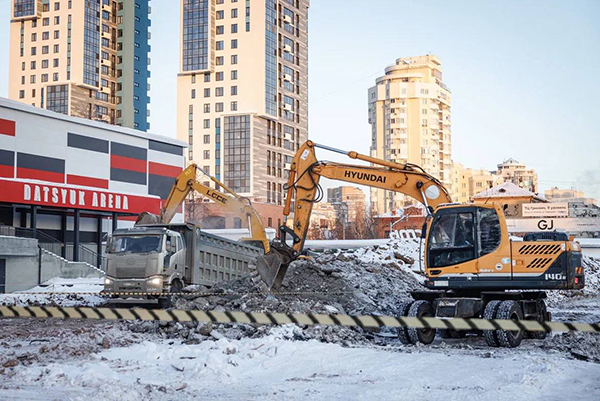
[(156, 258), (153, 261)]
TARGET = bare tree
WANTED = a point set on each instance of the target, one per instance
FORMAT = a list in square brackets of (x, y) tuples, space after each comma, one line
[(364, 225)]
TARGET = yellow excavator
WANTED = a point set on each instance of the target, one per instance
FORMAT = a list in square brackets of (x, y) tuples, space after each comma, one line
[(472, 267), (186, 182)]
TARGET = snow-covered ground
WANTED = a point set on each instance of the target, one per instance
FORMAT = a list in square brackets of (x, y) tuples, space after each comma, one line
[(277, 367), (86, 286)]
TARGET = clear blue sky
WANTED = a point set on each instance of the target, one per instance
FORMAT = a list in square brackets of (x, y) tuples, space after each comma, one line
[(523, 74)]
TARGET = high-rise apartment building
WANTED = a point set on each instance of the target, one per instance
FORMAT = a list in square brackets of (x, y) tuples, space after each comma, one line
[(513, 171), (82, 58), (409, 113), (242, 90)]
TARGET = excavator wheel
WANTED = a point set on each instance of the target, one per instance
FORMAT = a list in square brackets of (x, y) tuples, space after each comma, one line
[(420, 309), (541, 317), (510, 310), (491, 336), (403, 331)]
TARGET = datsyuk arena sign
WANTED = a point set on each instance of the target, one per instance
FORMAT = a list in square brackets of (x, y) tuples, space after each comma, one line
[(66, 196)]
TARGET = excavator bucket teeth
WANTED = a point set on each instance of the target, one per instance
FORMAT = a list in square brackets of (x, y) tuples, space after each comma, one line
[(269, 268), (147, 218)]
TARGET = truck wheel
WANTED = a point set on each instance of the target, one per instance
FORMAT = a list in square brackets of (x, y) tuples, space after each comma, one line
[(421, 309), (449, 333), (542, 316), (510, 310), (490, 336), (403, 331), (167, 301)]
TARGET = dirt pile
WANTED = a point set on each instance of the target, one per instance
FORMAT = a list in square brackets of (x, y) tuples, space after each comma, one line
[(374, 281)]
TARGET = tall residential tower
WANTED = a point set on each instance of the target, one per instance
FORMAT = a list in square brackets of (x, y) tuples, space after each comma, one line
[(409, 113), (82, 58), (242, 90)]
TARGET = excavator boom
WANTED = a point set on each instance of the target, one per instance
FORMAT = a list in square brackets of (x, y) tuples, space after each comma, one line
[(303, 181), (187, 182)]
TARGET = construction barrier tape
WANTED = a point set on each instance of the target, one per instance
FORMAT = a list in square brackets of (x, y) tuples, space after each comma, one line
[(174, 315), (191, 293)]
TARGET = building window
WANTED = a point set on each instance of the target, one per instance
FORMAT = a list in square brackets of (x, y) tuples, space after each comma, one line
[(55, 62), (219, 45), (33, 51), (33, 37), (195, 47), (55, 77), (219, 60), (21, 94), (57, 98), (219, 107), (44, 77), (219, 91), (206, 154), (233, 106), (237, 153), (220, 14), (45, 49), (32, 79), (207, 123), (220, 29), (206, 138), (207, 107), (234, 28), (56, 6), (193, 93), (56, 34), (206, 92), (45, 35), (45, 21), (234, 59), (56, 20), (207, 77), (219, 76), (234, 43), (234, 90), (234, 13)]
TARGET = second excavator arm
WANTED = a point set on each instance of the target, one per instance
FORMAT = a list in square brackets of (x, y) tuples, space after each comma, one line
[(187, 182), (305, 173)]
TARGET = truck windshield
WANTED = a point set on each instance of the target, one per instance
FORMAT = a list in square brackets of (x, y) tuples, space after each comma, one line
[(135, 244)]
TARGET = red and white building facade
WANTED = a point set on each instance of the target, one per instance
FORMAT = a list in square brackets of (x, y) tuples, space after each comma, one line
[(76, 179)]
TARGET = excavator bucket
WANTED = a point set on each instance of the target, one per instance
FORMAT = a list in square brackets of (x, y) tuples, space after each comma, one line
[(147, 218), (271, 270)]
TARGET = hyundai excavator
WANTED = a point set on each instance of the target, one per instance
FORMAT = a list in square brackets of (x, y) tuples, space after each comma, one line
[(473, 269)]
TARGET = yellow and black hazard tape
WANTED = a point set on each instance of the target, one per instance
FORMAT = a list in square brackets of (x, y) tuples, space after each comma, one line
[(165, 294), (311, 319)]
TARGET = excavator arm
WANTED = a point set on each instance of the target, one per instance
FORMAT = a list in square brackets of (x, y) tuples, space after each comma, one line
[(187, 182), (303, 186)]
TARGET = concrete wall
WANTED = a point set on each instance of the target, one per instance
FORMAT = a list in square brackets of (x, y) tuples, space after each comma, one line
[(21, 261)]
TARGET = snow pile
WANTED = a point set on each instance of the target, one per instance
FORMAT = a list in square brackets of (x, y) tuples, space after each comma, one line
[(591, 268), (37, 295)]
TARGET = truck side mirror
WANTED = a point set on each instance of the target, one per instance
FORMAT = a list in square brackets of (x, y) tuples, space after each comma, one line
[(424, 231)]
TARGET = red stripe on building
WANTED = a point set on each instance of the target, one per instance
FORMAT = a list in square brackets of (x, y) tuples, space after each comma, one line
[(40, 175), (127, 163), (7, 171), (7, 127), (87, 181), (164, 169)]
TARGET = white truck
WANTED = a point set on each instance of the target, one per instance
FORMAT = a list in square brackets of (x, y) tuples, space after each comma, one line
[(151, 261)]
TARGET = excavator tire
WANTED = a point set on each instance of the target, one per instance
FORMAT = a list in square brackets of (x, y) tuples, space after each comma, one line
[(420, 309), (510, 310), (490, 312), (541, 317), (403, 331)]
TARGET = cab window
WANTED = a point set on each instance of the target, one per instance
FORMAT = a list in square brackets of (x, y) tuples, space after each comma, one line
[(488, 229), (451, 239), (179, 244)]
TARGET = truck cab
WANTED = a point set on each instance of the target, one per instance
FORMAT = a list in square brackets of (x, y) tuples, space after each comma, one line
[(145, 260)]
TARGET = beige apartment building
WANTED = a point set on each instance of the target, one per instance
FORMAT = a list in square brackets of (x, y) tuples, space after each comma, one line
[(353, 197), (468, 182), (410, 117), (512, 171), (72, 57), (242, 90)]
